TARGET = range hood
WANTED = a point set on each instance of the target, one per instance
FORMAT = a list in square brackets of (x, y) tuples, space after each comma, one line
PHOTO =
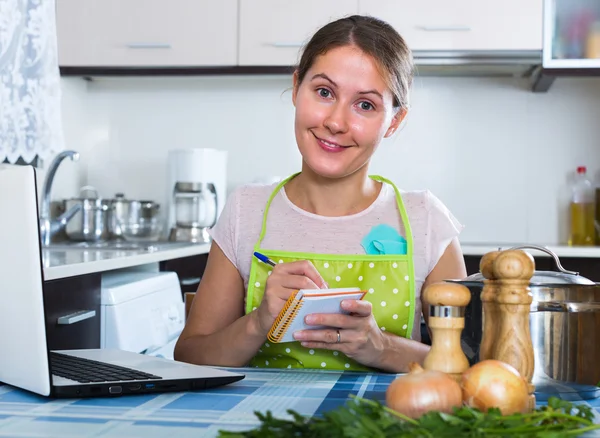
[(451, 63), (477, 63)]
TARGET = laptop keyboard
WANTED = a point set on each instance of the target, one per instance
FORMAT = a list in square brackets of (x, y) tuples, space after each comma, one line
[(91, 371)]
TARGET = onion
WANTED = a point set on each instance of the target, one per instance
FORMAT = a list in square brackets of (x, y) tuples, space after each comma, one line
[(421, 391), (495, 384)]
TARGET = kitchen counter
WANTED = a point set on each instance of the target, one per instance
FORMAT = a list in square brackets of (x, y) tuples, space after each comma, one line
[(198, 413), (479, 249), (68, 260)]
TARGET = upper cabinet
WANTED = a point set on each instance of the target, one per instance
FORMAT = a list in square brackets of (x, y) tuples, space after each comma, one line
[(571, 35), (464, 25), (146, 33), (122, 37), (272, 32)]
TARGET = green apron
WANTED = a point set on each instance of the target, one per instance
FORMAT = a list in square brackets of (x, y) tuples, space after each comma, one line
[(389, 280)]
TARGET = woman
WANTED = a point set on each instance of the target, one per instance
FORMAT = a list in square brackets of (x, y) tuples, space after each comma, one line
[(331, 224)]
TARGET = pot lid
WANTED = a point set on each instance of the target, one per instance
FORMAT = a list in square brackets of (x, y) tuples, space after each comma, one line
[(543, 278), (91, 190), (562, 276), (143, 203)]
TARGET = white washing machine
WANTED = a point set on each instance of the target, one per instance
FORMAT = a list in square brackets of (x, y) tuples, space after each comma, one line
[(141, 312)]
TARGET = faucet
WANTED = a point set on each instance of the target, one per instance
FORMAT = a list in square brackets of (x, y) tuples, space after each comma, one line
[(48, 226)]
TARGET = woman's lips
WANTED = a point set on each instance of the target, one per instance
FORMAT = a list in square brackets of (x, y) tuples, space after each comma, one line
[(329, 146)]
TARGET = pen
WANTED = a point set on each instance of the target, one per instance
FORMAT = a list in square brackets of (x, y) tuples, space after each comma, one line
[(263, 258)]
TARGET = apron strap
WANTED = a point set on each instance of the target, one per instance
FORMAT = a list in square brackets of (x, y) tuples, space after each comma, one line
[(399, 202), (263, 228), (409, 250), (403, 214)]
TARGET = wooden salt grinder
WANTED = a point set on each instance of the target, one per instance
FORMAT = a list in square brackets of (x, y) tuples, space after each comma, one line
[(447, 303), (507, 298)]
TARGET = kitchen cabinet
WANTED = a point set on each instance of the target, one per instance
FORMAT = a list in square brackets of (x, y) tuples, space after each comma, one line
[(462, 24), (72, 311), (571, 34), (148, 33), (188, 269), (271, 32)]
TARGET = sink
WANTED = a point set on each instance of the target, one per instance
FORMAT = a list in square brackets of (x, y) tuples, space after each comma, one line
[(116, 246)]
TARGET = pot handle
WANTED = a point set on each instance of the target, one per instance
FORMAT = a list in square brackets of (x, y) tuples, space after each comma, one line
[(551, 254), (554, 306)]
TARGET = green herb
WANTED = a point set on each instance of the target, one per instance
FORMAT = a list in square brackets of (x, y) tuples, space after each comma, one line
[(360, 418)]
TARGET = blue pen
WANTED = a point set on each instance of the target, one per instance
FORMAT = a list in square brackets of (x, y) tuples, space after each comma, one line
[(263, 258)]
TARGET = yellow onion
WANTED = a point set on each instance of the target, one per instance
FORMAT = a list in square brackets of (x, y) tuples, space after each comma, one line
[(421, 391), (495, 384)]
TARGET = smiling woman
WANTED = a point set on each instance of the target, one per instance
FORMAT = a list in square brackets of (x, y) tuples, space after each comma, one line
[(330, 225)]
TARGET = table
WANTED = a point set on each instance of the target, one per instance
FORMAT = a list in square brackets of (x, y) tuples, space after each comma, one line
[(191, 414)]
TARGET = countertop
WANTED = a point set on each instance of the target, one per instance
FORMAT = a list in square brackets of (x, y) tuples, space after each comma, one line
[(69, 260), (200, 413)]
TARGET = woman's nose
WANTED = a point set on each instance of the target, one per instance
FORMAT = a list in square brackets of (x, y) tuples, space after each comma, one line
[(336, 121)]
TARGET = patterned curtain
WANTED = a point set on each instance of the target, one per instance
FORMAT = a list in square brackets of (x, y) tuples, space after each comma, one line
[(30, 122)]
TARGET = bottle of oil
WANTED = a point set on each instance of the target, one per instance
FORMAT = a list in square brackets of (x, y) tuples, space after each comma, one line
[(582, 232)]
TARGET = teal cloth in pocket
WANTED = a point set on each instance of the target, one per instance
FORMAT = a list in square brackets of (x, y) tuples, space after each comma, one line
[(383, 239)]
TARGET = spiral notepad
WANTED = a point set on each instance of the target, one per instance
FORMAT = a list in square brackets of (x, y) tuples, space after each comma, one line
[(304, 302)]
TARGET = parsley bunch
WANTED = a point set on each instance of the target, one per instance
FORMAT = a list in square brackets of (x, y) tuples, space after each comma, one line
[(360, 418)]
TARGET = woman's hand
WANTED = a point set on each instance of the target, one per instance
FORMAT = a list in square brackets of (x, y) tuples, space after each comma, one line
[(283, 281), (359, 336)]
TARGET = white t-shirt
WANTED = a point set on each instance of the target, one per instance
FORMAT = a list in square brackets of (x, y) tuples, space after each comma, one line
[(290, 228)]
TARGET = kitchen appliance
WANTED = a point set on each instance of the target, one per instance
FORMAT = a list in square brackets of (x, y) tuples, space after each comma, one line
[(564, 325), (28, 363), (141, 312), (90, 222), (134, 220), (196, 192)]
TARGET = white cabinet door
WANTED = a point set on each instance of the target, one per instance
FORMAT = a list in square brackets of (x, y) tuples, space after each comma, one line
[(272, 32), (147, 33), (462, 24)]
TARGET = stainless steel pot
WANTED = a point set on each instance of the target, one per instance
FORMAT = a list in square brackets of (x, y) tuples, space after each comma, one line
[(564, 324), (134, 220), (90, 223)]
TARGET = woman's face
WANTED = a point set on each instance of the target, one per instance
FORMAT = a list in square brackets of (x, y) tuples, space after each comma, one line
[(343, 110)]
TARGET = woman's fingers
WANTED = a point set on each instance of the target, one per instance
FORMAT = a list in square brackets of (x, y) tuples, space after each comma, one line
[(357, 307), (302, 268)]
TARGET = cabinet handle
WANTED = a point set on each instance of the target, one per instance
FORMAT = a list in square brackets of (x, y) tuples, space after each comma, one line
[(445, 28), (286, 44), (189, 281), (148, 45), (72, 318)]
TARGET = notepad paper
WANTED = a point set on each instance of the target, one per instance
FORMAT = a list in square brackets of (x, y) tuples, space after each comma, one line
[(307, 301)]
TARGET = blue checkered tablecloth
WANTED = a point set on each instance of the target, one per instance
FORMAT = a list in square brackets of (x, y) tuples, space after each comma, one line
[(191, 414)]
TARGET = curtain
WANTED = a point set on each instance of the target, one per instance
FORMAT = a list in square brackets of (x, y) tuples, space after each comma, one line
[(30, 121)]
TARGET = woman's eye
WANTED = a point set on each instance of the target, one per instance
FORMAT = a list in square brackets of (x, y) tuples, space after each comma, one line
[(324, 92), (366, 106)]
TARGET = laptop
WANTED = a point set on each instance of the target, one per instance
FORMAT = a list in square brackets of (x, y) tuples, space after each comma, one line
[(25, 361)]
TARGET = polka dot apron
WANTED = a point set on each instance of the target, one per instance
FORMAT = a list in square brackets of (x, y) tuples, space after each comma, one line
[(388, 279)]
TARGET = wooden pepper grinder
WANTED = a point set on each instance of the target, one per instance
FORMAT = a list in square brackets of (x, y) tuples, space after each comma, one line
[(506, 299), (447, 303), (489, 308)]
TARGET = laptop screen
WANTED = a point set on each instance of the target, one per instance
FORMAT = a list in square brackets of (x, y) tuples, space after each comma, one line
[(23, 348)]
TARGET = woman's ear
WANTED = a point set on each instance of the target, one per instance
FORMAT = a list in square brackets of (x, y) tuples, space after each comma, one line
[(295, 89), (396, 120)]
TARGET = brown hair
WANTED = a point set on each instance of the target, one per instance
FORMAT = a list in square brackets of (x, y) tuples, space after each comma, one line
[(373, 36)]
